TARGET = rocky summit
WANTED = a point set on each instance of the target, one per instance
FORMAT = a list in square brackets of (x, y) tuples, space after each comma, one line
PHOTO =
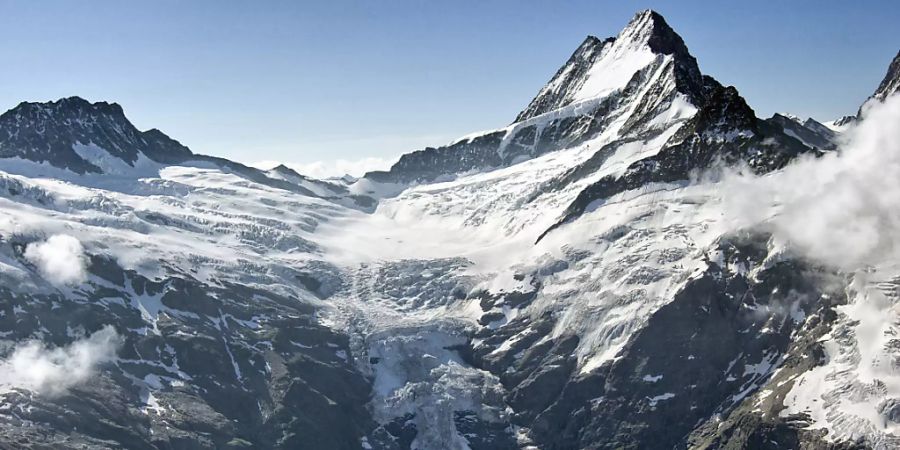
[(638, 261)]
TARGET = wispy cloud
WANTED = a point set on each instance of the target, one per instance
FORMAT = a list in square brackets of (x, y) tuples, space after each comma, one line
[(843, 208), (33, 366)]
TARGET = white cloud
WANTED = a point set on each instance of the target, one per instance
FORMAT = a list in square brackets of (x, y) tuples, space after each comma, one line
[(33, 366), (842, 209), (60, 259), (334, 168)]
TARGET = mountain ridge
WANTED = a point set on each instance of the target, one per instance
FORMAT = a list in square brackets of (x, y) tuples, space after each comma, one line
[(97, 139), (891, 82), (47, 132), (647, 71)]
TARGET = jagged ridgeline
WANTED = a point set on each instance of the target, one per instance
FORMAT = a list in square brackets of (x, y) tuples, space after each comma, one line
[(633, 86), (566, 282)]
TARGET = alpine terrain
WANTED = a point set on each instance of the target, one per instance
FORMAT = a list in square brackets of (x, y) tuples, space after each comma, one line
[(637, 261)]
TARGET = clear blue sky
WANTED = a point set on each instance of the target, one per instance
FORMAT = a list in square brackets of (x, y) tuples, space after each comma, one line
[(306, 81)]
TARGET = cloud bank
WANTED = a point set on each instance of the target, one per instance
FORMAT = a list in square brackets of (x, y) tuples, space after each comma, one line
[(60, 259), (842, 209), (33, 366)]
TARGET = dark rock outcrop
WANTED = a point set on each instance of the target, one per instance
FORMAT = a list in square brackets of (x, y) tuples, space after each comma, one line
[(891, 82), (47, 132)]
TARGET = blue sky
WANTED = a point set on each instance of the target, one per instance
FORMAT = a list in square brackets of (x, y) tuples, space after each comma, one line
[(320, 81)]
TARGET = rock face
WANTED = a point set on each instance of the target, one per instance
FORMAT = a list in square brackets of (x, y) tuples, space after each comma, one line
[(891, 82), (265, 309), (54, 133), (584, 74)]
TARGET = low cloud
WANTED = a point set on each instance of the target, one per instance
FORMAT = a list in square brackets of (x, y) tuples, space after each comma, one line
[(60, 259), (33, 366), (842, 209)]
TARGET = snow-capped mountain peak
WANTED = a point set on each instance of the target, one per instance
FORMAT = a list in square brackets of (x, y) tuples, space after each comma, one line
[(790, 116), (842, 124), (641, 82), (810, 131), (600, 67), (650, 28), (82, 137), (68, 108)]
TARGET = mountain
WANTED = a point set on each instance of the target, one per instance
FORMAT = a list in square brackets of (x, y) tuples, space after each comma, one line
[(810, 132), (891, 82), (322, 188), (724, 132), (97, 140), (82, 137), (574, 280), (599, 67), (628, 85)]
